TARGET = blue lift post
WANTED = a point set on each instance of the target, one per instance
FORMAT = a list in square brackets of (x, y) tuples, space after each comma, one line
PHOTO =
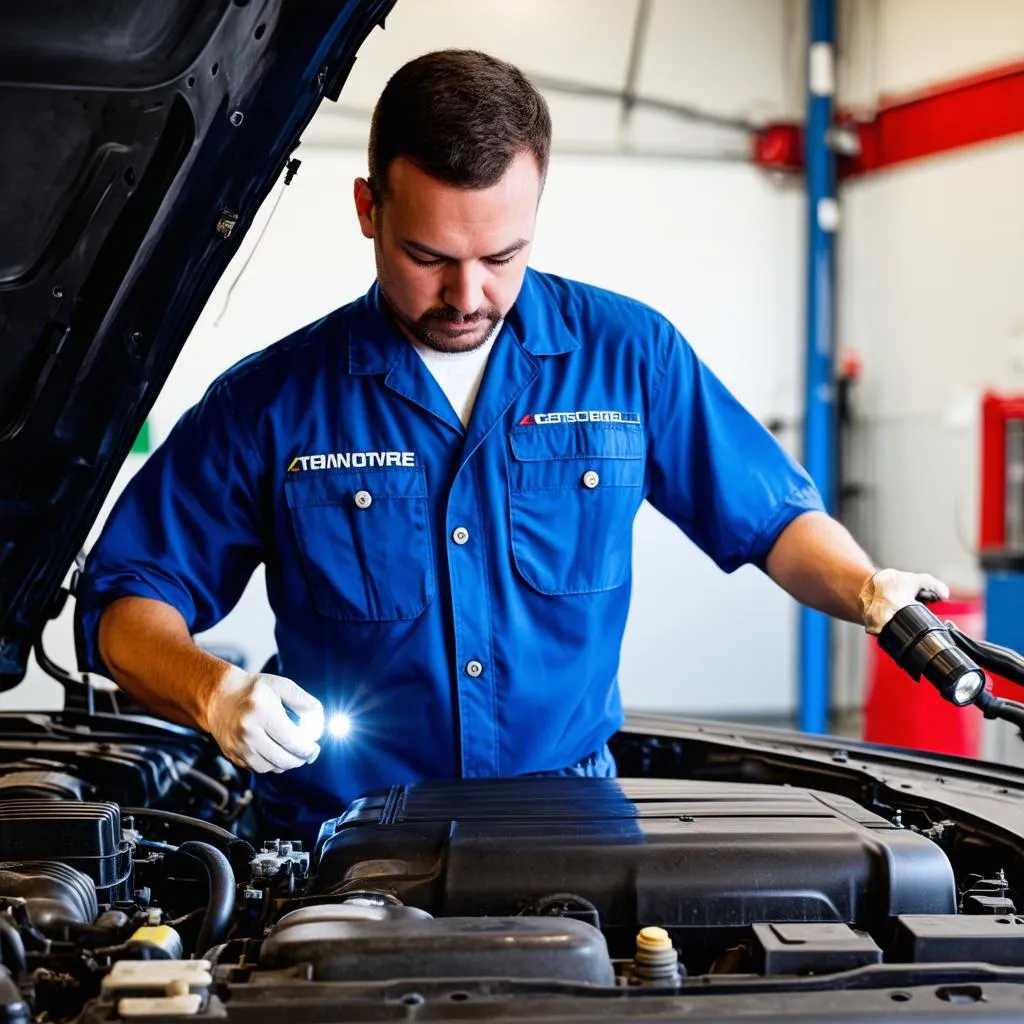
[(819, 416)]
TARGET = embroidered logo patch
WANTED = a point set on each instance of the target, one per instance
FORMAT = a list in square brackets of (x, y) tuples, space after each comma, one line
[(351, 460), (542, 419)]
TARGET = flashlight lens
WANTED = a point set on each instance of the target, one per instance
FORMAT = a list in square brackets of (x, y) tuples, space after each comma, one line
[(968, 686), (339, 726)]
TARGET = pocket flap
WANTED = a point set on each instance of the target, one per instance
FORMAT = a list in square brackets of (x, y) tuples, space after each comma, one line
[(335, 487), (535, 443), (363, 539)]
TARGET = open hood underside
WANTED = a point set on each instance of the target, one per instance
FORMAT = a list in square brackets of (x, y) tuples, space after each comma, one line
[(139, 142)]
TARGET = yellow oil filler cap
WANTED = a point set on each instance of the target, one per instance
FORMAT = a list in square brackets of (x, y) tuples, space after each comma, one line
[(653, 938), (656, 962)]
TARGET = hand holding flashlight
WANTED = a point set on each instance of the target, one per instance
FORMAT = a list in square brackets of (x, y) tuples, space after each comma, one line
[(248, 716), (891, 590)]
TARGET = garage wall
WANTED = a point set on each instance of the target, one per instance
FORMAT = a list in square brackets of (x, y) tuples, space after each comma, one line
[(930, 290), (738, 59), (930, 287), (899, 46), (689, 226)]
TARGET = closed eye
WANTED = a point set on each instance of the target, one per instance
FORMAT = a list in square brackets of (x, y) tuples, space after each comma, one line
[(424, 256), (424, 263), (492, 261)]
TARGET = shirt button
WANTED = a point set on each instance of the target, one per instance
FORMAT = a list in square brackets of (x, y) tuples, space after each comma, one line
[(460, 535), (474, 669), (363, 499), (590, 479)]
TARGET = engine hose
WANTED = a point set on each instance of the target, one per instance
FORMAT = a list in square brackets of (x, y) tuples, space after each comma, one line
[(12, 948), (239, 852), (211, 785), (220, 907), (155, 844), (215, 832)]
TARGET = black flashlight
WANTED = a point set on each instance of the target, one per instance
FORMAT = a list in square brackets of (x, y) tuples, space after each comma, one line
[(922, 646)]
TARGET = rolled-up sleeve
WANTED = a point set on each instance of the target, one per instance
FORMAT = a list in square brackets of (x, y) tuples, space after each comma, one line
[(714, 469), (187, 530)]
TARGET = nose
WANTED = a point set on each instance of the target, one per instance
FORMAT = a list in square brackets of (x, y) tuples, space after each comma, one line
[(464, 287)]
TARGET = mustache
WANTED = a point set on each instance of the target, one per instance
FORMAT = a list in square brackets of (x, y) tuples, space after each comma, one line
[(450, 315)]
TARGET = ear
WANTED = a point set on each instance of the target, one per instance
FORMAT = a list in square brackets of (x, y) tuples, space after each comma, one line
[(364, 206)]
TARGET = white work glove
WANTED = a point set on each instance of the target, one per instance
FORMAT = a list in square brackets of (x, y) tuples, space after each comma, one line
[(889, 590), (247, 717)]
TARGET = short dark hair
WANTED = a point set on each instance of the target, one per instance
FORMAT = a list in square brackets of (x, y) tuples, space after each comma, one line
[(461, 116)]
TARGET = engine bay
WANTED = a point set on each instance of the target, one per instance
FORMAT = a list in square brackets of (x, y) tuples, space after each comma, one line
[(133, 884)]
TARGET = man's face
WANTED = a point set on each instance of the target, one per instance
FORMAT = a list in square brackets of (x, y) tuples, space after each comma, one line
[(450, 261)]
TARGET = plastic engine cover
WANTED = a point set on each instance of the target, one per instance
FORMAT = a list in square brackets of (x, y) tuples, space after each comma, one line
[(694, 857), (346, 943), (86, 836), (54, 892)]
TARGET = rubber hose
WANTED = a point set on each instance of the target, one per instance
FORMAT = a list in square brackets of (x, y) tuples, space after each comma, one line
[(220, 907), (239, 852), (211, 785), (12, 948), (173, 818)]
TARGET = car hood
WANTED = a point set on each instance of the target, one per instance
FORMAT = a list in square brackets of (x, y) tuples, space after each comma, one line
[(139, 143)]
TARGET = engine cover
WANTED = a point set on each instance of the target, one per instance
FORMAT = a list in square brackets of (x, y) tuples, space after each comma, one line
[(360, 943), (85, 836), (693, 857)]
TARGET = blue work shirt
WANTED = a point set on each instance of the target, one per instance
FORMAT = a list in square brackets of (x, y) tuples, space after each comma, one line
[(460, 593)]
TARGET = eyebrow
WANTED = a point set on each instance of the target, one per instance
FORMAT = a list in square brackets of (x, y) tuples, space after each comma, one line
[(427, 251)]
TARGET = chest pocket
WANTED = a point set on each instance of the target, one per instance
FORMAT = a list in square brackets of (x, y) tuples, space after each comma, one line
[(574, 491), (364, 541)]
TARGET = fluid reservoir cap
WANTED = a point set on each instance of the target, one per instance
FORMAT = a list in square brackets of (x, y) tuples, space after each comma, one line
[(653, 938)]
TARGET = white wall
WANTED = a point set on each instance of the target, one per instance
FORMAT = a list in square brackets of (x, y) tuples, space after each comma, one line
[(898, 46), (930, 284), (932, 295), (710, 241), (732, 57)]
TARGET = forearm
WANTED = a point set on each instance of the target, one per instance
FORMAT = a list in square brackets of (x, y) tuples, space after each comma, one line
[(150, 654), (817, 561)]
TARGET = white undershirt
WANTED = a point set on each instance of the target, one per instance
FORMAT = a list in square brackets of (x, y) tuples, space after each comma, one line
[(459, 373)]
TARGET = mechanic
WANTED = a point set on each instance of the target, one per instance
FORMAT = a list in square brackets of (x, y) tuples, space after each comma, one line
[(441, 479)]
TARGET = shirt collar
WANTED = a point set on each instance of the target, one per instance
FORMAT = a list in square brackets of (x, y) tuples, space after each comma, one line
[(375, 345), (537, 320)]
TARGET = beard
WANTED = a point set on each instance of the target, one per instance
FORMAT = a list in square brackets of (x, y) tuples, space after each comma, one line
[(445, 329)]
